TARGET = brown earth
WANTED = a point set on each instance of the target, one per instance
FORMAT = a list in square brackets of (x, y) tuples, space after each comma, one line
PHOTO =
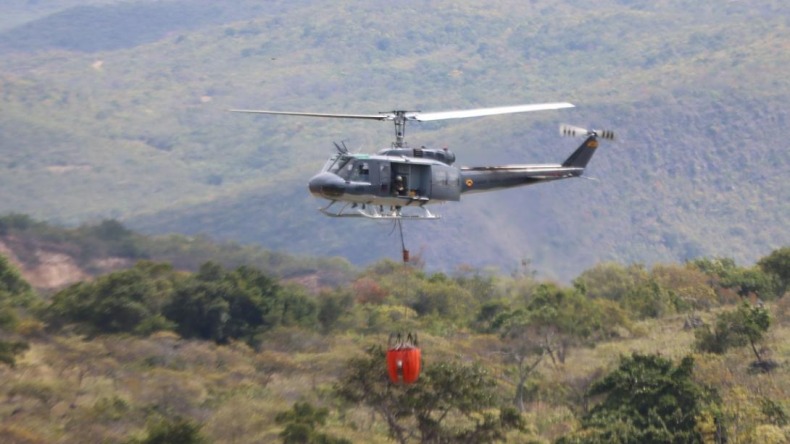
[(49, 269)]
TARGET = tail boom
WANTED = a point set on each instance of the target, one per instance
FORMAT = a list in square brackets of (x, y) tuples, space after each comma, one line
[(480, 179)]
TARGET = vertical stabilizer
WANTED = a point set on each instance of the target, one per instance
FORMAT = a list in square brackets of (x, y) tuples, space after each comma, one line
[(583, 154)]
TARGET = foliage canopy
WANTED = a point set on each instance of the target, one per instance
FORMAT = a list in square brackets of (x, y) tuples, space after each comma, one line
[(647, 399)]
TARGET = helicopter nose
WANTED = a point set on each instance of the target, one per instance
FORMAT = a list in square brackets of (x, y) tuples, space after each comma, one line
[(327, 185)]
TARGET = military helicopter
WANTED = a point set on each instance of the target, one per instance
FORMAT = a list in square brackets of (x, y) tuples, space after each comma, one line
[(399, 182)]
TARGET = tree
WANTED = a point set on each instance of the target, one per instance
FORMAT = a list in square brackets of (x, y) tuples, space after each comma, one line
[(331, 307), (564, 317), (14, 289), (777, 264), (632, 287), (745, 325), (752, 322), (300, 423), (751, 281), (758, 281), (688, 286), (645, 400), (524, 349), (451, 403), (553, 320), (368, 291), (648, 299), (610, 280), (199, 309), (14, 292), (123, 301), (240, 304), (719, 268)]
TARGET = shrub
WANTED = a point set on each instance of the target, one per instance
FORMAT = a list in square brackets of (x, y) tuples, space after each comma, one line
[(646, 399), (176, 431)]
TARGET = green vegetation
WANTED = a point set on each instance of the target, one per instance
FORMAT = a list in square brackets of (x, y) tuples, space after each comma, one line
[(124, 101), (645, 400), (171, 432), (745, 325), (452, 403), (90, 244), (150, 354), (10, 350), (239, 305), (123, 301), (777, 265), (15, 294), (113, 112), (300, 423)]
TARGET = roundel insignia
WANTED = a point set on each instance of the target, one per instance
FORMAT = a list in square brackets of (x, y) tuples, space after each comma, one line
[(592, 144), (469, 183)]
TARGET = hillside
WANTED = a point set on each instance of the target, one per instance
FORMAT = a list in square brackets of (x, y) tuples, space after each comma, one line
[(220, 354), (106, 389), (51, 258), (110, 113)]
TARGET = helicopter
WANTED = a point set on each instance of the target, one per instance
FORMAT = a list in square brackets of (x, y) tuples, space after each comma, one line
[(399, 182)]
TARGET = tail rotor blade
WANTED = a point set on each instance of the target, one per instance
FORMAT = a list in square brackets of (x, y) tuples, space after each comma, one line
[(573, 131), (606, 134)]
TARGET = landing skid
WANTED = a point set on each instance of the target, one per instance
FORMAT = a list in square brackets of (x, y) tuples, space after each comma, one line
[(377, 212)]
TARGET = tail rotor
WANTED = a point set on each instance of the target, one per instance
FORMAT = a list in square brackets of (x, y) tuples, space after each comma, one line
[(575, 131)]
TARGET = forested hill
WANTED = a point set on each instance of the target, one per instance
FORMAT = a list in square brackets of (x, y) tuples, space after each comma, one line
[(51, 258), (116, 109), (155, 352)]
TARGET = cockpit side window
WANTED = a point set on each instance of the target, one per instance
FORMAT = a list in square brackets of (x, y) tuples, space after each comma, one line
[(360, 171), (345, 170)]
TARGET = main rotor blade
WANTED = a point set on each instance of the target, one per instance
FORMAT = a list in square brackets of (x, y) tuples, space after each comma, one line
[(338, 116), (426, 117)]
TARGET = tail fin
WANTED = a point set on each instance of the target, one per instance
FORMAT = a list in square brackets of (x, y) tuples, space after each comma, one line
[(583, 154)]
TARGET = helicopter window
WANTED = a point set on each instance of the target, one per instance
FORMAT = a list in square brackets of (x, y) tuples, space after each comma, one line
[(360, 171), (329, 163), (337, 166)]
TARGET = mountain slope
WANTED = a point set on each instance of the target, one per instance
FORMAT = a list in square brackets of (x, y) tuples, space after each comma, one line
[(696, 92)]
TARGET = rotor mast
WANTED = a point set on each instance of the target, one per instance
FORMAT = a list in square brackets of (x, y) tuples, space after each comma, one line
[(400, 128)]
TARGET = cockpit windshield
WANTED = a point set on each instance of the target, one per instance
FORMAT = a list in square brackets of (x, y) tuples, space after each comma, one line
[(336, 165), (352, 168)]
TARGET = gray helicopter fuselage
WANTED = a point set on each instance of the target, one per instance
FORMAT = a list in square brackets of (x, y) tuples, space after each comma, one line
[(404, 176), (385, 179)]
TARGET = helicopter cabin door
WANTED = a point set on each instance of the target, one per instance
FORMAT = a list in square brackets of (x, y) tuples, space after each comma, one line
[(445, 183), (416, 179)]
